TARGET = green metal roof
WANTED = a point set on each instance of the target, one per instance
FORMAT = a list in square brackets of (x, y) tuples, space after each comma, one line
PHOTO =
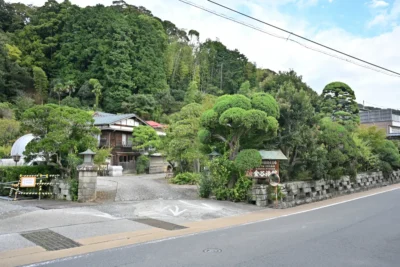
[(110, 119), (272, 155)]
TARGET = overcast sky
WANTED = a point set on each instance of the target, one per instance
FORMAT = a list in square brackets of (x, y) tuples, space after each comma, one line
[(369, 29)]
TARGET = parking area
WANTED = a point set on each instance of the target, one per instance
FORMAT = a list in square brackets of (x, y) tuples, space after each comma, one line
[(145, 187)]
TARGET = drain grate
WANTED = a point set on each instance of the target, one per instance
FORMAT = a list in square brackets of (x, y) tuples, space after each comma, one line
[(159, 224), (212, 250), (50, 240)]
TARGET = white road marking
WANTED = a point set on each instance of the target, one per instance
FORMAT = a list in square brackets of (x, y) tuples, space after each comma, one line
[(208, 206), (205, 206), (177, 212)]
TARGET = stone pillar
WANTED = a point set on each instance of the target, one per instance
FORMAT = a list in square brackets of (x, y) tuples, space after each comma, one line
[(87, 183), (259, 194)]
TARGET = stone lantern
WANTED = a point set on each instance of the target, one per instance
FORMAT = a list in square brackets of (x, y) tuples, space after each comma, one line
[(213, 155), (88, 157)]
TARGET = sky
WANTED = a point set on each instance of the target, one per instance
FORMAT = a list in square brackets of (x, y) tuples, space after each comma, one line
[(368, 29)]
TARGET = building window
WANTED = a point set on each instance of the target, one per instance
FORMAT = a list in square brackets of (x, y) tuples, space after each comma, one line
[(394, 130)]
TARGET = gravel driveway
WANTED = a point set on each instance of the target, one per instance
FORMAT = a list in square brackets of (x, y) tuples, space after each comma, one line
[(146, 187)]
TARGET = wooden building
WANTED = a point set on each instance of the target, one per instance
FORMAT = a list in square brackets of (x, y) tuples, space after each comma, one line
[(116, 133)]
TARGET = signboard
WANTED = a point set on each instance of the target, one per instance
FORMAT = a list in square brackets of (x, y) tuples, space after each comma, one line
[(267, 168), (28, 181)]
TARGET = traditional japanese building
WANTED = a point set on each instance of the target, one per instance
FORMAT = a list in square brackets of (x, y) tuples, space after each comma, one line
[(116, 133)]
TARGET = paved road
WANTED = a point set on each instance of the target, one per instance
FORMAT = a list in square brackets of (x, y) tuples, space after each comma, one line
[(147, 187), (365, 232)]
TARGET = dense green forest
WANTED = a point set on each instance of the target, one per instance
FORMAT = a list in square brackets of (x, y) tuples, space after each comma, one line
[(144, 65), (63, 58)]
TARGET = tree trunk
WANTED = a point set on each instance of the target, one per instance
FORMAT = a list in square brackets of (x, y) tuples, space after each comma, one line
[(234, 146)]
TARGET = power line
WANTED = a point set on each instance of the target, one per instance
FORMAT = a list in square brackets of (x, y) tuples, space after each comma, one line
[(284, 38), (304, 38)]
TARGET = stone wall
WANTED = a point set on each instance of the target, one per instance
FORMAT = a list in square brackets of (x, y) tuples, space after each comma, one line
[(61, 190), (87, 183), (298, 193), (259, 194)]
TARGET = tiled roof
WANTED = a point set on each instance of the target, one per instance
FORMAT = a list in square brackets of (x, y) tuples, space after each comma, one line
[(155, 124), (110, 119), (102, 114)]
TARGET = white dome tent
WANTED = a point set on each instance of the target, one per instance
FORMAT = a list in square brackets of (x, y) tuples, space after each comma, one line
[(18, 149)]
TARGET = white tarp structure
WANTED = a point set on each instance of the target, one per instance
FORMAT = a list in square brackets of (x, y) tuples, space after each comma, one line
[(18, 148)]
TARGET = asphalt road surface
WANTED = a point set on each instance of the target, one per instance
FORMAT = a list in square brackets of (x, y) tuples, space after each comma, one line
[(364, 232)]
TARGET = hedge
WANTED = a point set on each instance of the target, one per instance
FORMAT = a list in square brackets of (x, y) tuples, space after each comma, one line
[(12, 173)]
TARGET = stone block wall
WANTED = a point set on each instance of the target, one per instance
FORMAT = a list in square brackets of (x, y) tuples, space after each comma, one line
[(61, 190), (87, 184), (259, 194), (298, 193)]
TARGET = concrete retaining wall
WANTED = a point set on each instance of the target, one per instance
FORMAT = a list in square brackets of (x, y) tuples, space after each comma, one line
[(298, 193), (61, 190)]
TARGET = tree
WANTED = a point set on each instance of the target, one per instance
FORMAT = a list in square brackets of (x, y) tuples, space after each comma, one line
[(245, 89), (22, 103), (192, 94), (140, 104), (70, 87), (60, 133), (296, 121), (101, 156), (14, 77), (72, 102), (9, 130), (146, 138), (194, 33), (248, 159), (341, 149), (59, 88), (6, 111), (384, 149), (181, 143), (41, 82), (235, 119), (96, 85), (339, 103)]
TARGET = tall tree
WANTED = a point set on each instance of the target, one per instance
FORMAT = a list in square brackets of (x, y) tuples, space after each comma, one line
[(41, 82), (145, 138), (236, 119), (339, 103), (14, 78), (182, 144), (97, 88), (58, 88), (296, 123), (142, 105)]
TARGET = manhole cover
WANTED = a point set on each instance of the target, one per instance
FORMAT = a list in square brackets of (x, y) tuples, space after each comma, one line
[(159, 224), (50, 240), (212, 250)]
